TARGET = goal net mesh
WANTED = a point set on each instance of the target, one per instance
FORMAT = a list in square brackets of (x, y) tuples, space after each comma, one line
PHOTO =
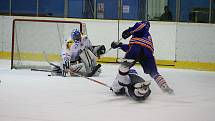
[(36, 41)]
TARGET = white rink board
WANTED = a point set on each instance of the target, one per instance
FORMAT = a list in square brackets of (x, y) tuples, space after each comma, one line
[(196, 42), (172, 41)]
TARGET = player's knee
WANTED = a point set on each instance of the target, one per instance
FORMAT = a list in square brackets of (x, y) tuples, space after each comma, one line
[(123, 70), (125, 67)]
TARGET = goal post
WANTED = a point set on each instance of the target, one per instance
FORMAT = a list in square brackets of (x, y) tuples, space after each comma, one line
[(32, 37)]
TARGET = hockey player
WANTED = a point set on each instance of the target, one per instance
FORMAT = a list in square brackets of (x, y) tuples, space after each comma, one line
[(128, 82), (140, 49), (78, 57)]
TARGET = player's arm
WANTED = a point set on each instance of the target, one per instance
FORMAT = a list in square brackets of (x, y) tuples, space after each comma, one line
[(124, 47), (86, 42), (97, 50), (131, 30)]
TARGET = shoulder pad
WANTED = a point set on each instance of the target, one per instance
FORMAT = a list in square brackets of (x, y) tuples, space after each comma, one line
[(85, 37)]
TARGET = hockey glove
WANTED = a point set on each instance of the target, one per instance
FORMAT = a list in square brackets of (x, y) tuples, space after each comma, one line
[(66, 65), (66, 60), (126, 34), (115, 45), (101, 50), (98, 50)]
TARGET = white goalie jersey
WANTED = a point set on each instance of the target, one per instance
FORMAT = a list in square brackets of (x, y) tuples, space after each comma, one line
[(72, 49), (79, 54)]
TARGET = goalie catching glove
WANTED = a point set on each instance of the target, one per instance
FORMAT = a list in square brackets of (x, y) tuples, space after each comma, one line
[(99, 50)]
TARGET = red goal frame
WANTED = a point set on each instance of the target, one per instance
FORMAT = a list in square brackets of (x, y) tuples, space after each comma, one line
[(36, 20)]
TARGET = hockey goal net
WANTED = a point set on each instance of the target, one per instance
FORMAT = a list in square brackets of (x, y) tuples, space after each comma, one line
[(33, 41)]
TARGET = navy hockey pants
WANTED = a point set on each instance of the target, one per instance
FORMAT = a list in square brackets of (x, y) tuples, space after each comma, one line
[(145, 57)]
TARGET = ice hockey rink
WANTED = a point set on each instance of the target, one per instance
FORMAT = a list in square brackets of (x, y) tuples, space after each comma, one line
[(33, 96)]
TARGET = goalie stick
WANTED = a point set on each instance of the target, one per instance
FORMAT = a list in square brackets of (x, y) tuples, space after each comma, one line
[(91, 79), (64, 74), (90, 74), (52, 64), (34, 69), (79, 75)]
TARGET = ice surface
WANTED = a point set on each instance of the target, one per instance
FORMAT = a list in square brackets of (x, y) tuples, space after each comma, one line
[(33, 96)]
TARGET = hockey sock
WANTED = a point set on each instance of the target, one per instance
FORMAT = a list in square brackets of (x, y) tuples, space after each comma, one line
[(160, 81)]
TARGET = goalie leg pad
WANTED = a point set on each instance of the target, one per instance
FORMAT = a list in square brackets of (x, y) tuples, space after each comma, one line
[(89, 60), (94, 71), (125, 67), (77, 68)]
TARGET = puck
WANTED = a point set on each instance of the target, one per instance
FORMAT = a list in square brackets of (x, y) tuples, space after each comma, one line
[(49, 75)]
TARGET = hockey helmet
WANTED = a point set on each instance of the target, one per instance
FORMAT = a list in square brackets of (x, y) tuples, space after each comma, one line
[(76, 35), (147, 24), (69, 43)]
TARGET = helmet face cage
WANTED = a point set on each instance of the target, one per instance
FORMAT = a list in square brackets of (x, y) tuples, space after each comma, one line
[(76, 35)]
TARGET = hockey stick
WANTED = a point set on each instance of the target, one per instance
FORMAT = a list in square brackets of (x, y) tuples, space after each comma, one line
[(111, 47), (34, 69), (79, 75), (91, 79), (99, 82), (52, 64)]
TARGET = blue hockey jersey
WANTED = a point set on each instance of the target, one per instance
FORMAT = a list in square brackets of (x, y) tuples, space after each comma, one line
[(140, 35)]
